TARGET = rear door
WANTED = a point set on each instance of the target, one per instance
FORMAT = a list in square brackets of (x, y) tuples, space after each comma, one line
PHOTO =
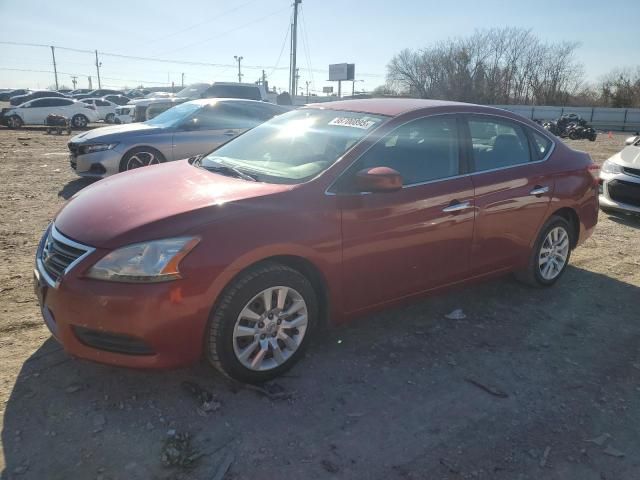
[(513, 190), (400, 243)]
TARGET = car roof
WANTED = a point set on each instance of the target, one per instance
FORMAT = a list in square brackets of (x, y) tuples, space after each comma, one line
[(390, 106), (213, 101)]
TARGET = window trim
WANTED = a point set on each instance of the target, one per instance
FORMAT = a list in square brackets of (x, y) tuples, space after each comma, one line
[(464, 137)]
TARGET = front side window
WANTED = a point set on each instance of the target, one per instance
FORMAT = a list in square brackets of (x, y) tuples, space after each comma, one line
[(541, 145), (497, 143), (174, 116), (423, 150), (296, 146)]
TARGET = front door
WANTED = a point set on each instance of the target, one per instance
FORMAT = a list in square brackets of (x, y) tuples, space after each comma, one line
[(513, 191), (396, 244)]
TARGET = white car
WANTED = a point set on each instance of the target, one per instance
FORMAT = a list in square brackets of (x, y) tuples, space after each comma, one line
[(620, 180), (125, 114), (35, 112), (106, 109)]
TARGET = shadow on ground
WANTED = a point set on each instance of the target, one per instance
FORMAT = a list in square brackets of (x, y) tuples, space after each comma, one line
[(398, 395), (74, 186), (629, 220)]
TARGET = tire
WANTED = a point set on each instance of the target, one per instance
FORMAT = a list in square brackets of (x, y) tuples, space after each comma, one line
[(117, 121), (140, 157), (14, 121), (574, 136), (109, 118), (533, 274), (223, 345), (79, 121)]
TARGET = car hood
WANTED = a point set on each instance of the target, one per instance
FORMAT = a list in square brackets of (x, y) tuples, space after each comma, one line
[(160, 201), (106, 133), (628, 157)]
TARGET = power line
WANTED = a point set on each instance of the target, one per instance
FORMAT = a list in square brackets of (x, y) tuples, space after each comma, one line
[(305, 41), (200, 42), (221, 14), (284, 42)]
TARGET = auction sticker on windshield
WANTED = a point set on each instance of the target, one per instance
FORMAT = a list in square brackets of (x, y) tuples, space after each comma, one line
[(352, 122)]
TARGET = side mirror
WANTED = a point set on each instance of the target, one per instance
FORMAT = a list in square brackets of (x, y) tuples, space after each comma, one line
[(630, 140), (378, 179)]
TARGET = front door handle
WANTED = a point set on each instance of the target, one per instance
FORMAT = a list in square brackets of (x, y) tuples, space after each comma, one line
[(456, 206), (539, 190)]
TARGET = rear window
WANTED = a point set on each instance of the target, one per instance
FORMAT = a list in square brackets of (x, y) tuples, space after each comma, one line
[(233, 91)]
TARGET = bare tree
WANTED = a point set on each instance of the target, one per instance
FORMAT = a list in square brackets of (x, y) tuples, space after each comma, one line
[(504, 65)]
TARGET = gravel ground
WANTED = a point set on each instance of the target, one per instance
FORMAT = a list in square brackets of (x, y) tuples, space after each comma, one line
[(532, 384)]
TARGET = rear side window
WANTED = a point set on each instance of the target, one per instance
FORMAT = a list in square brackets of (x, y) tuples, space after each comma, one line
[(541, 145), (59, 102), (497, 143), (102, 103)]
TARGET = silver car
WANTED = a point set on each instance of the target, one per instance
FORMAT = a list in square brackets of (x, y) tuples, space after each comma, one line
[(620, 179), (184, 131)]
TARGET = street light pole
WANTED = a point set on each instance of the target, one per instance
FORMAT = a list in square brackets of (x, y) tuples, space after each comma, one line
[(239, 59), (55, 68)]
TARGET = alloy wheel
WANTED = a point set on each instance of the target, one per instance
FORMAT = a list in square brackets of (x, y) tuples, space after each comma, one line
[(80, 121), (553, 253), (270, 328), (142, 159)]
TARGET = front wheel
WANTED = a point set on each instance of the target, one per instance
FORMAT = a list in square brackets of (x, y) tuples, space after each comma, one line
[(109, 118), (14, 121), (262, 323), (79, 121), (140, 157), (550, 254)]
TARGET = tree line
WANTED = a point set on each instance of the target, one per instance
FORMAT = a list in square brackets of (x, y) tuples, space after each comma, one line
[(506, 66)]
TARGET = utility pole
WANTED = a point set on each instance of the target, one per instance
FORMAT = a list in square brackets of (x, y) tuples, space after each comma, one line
[(98, 64), (182, 83), (74, 80), (239, 59), (294, 45), (307, 82), (295, 81), (264, 78), (55, 69), (90, 86)]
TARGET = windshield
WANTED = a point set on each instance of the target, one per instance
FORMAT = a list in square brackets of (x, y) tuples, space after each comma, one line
[(174, 116), (294, 147)]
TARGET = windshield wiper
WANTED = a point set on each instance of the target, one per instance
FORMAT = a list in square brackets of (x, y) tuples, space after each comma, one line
[(231, 171)]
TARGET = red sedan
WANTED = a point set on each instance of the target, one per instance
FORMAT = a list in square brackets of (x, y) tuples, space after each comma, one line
[(321, 214)]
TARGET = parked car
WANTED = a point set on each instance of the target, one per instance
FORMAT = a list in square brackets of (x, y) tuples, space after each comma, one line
[(318, 215), (35, 112), (186, 130), (620, 180), (20, 99), (156, 102), (106, 109), (66, 91), (117, 99), (124, 114), (5, 96), (137, 93), (99, 93), (248, 91), (78, 91)]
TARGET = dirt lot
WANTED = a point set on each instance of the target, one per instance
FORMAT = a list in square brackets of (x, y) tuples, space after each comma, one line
[(392, 396)]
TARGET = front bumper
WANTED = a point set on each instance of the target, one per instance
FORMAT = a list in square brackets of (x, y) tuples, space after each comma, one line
[(96, 164), (158, 325), (620, 191)]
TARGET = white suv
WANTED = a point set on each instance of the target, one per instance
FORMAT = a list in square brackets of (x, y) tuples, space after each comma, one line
[(35, 112)]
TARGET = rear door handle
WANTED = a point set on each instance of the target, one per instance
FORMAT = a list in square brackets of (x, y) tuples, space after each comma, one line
[(230, 133), (456, 206), (539, 190)]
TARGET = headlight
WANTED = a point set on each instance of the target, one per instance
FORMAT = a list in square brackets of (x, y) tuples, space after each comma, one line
[(98, 147), (147, 262), (610, 167)]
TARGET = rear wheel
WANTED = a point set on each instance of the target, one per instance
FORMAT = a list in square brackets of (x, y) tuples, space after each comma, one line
[(79, 121), (550, 254), (14, 121), (262, 323), (140, 157)]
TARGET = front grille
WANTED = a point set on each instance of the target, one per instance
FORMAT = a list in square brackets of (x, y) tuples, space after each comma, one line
[(112, 342), (58, 254), (632, 171), (624, 192)]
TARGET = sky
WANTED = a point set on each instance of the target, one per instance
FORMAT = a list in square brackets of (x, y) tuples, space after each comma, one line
[(330, 31)]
